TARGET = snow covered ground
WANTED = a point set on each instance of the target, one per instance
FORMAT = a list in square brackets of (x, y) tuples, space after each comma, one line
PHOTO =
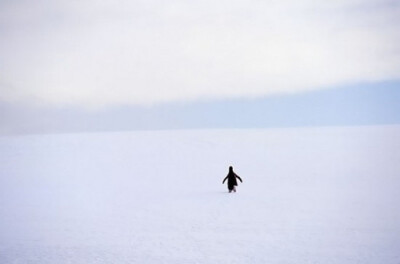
[(310, 195)]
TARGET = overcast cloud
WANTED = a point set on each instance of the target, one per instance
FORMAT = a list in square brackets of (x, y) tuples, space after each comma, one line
[(100, 53)]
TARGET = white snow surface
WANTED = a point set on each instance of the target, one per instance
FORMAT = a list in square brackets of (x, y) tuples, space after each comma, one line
[(309, 195)]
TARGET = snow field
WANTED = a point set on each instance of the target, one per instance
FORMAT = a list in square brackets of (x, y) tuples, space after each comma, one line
[(309, 195)]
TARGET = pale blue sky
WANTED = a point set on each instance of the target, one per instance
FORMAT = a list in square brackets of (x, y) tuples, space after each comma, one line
[(362, 104)]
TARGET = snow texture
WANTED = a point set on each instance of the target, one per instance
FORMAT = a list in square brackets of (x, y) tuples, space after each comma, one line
[(309, 195)]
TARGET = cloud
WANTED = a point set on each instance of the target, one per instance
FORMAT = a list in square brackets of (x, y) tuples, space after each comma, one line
[(99, 53)]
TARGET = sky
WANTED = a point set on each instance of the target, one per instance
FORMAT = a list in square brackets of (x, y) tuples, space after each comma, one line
[(168, 62)]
